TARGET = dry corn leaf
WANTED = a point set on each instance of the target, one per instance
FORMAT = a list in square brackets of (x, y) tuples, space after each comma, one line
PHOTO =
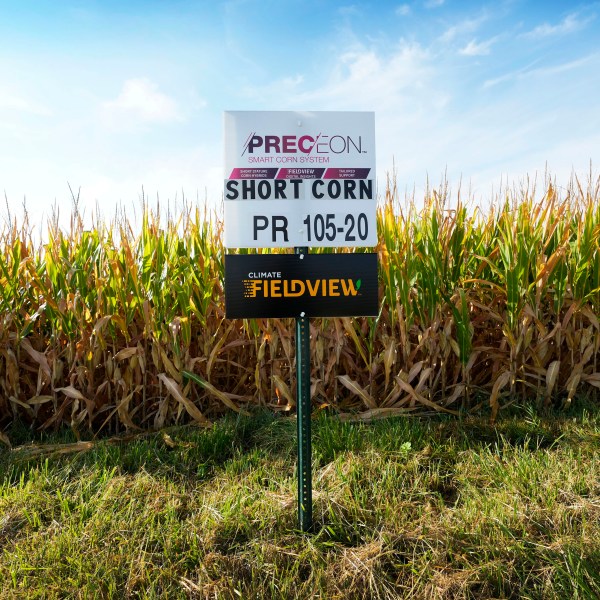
[(421, 399), (423, 379), (126, 353), (474, 356), (51, 450), (100, 324), (501, 382), (168, 364), (573, 381), (161, 414), (587, 354), (389, 358), (458, 392), (414, 371), (574, 306), (316, 387), (592, 379), (593, 319), (222, 396), (551, 376), (392, 397), (35, 400), (349, 327), (57, 416), (38, 357), (284, 390), (261, 351), (12, 371), (175, 391), (216, 349), (71, 392), (358, 390), (123, 409)]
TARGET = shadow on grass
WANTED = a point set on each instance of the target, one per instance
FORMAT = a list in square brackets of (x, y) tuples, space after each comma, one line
[(236, 443)]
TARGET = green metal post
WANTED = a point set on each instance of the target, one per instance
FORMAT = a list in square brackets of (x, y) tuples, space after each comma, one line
[(303, 416)]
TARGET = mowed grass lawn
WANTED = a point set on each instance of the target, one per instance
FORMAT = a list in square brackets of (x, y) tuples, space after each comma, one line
[(433, 507)]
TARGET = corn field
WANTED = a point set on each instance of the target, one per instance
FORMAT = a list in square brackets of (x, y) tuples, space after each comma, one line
[(113, 330)]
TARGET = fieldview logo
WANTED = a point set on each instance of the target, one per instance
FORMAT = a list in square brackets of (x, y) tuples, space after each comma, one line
[(295, 288), (305, 144), (287, 285)]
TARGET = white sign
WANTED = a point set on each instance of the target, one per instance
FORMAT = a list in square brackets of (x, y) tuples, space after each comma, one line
[(299, 179)]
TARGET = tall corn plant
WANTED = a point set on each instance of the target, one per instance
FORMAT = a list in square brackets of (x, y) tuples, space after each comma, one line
[(120, 328)]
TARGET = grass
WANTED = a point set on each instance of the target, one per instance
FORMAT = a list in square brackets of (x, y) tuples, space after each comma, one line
[(403, 508)]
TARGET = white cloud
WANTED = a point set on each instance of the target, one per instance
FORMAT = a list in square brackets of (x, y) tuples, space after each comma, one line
[(364, 79), (15, 102), (141, 98), (434, 3), (528, 72), (405, 89), (426, 127), (477, 49), (195, 173), (461, 28), (570, 24), (403, 10)]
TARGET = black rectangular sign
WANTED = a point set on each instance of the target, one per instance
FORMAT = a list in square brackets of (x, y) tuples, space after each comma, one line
[(298, 285)]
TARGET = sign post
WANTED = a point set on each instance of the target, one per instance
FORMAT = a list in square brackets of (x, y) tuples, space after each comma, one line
[(303, 415), (300, 179)]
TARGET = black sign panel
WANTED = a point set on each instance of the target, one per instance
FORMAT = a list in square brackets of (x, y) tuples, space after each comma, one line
[(297, 285)]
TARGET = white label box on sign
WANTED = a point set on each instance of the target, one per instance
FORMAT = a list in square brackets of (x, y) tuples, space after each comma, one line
[(299, 179)]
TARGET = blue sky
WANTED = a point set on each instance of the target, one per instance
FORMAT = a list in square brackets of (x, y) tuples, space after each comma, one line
[(110, 97)]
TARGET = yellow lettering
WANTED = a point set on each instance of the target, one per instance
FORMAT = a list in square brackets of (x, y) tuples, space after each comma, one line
[(313, 289), (278, 288), (348, 288), (251, 288), (293, 288), (275, 288), (333, 287)]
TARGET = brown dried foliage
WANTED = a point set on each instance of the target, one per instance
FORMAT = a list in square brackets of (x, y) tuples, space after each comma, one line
[(117, 331)]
